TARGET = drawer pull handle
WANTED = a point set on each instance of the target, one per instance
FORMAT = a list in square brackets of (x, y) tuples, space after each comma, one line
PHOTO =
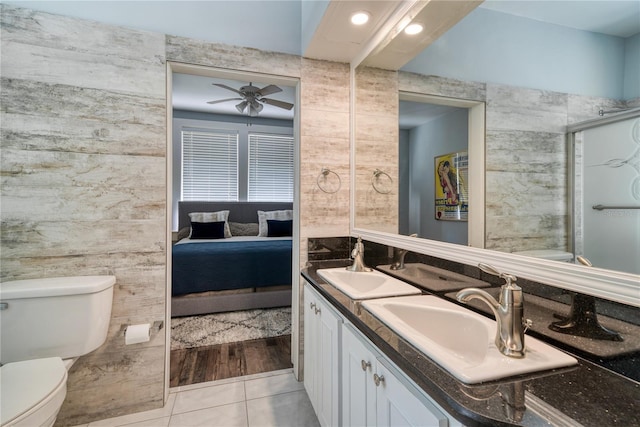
[(317, 310), (378, 379), (365, 365), (312, 305)]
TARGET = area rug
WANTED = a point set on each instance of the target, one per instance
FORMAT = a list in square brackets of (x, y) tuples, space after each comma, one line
[(220, 328)]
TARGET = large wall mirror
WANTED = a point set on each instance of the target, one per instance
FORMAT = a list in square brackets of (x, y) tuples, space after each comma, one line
[(523, 88)]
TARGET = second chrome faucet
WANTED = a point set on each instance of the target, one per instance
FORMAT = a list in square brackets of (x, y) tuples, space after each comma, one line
[(509, 312), (358, 257)]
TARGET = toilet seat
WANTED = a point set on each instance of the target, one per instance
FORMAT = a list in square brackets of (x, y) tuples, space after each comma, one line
[(33, 390)]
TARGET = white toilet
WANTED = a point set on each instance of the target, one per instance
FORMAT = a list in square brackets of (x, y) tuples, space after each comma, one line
[(45, 325)]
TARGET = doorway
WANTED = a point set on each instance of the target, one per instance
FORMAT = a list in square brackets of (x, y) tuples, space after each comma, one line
[(205, 357), (436, 130)]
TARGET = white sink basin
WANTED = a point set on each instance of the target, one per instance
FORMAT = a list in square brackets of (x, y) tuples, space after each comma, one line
[(459, 340), (433, 278), (366, 284)]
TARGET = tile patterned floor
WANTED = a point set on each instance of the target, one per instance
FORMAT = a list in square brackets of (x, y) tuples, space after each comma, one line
[(261, 400)]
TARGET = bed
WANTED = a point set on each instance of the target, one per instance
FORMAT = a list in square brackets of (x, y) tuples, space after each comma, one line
[(237, 269)]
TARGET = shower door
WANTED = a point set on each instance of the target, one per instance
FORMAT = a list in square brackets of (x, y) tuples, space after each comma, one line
[(608, 182)]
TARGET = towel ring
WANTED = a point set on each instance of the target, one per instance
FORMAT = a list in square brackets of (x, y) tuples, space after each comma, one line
[(324, 173), (375, 179)]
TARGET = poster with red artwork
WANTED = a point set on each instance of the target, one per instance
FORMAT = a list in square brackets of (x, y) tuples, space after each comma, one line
[(451, 186)]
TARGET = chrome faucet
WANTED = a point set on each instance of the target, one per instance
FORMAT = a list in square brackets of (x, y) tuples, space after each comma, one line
[(509, 314), (358, 257), (399, 255)]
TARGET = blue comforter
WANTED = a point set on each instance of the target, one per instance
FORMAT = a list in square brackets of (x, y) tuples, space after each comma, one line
[(225, 265)]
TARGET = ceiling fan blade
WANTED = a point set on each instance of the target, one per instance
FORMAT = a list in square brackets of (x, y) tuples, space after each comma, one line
[(241, 106), (227, 87), (224, 100), (268, 90), (276, 103)]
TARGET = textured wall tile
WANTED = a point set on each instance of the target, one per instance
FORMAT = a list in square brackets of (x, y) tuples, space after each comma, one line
[(325, 86), (526, 180), (219, 55), (376, 142), (61, 50), (324, 142), (583, 108), (514, 108), (441, 86), (93, 120), (377, 92), (84, 186), (119, 382)]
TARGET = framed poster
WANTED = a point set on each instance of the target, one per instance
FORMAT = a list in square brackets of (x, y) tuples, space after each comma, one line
[(451, 185)]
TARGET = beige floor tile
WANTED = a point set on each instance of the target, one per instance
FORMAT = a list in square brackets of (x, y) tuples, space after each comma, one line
[(232, 415), (156, 422), (209, 397), (272, 385), (284, 410), (138, 416)]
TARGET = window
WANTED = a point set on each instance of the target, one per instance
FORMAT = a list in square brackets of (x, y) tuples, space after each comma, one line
[(270, 167), (209, 165)]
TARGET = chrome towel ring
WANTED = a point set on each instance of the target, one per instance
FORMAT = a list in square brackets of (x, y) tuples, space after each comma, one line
[(375, 181), (323, 179)]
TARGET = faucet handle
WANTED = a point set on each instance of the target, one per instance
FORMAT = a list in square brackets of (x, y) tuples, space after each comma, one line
[(510, 279)]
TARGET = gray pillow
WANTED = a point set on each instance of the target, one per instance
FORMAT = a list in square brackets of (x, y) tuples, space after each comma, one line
[(263, 216), (243, 229), (184, 232)]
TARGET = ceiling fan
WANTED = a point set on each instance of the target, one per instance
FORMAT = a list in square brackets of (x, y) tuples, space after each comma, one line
[(252, 98)]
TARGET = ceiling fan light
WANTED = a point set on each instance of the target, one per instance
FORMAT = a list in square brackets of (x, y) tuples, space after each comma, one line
[(241, 106), (256, 106), (253, 112), (360, 18), (412, 29)]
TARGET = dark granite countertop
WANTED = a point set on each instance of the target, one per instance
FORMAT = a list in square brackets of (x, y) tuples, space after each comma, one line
[(585, 394)]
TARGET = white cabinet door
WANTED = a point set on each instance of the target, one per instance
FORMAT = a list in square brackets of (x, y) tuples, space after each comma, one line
[(310, 346), (358, 389), (399, 403), (322, 357), (374, 393)]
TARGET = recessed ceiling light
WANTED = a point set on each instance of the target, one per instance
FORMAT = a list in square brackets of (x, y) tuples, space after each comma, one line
[(359, 18), (413, 29)]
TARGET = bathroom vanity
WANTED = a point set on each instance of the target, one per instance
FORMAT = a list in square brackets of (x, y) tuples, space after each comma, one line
[(358, 371)]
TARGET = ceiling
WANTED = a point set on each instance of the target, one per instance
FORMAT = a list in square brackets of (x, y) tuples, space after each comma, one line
[(279, 25)]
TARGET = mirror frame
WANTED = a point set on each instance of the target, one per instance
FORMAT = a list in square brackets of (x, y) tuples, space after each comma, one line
[(608, 284)]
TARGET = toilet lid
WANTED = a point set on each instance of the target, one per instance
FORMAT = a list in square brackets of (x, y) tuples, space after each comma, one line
[(25, 384)]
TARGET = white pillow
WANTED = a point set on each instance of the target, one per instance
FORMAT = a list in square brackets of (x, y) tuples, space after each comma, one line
[(212, 217), (263, 229)]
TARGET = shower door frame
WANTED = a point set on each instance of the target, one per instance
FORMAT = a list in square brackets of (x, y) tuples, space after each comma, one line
[(572, 130)]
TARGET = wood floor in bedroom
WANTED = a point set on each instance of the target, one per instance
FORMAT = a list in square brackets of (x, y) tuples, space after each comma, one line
[(221, 361)]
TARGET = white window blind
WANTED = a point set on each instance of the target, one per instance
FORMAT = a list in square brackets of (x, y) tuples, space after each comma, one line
[(270, 167), (209, 165)]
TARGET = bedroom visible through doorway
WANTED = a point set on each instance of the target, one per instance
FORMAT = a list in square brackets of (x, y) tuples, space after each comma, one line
[(225, 345), (233, 157)]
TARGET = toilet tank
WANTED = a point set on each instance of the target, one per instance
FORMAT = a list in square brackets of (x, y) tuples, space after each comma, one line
[(62, 316)]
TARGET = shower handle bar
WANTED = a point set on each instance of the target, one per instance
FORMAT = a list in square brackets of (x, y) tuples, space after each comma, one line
[(603, 207), (617, 110)]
